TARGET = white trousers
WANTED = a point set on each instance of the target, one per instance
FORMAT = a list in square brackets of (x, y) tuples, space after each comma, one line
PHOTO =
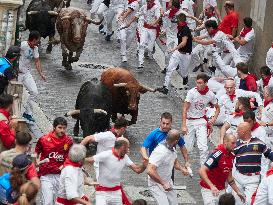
[(171, 42), (49, 188), (227, 70), (163, 197), (197, 131), (111, 13), (177, 58), (247, 184), (208, 197), (215, 86), (126, 38), (29, 83), (95, 7), (108, 198), (147, 41)]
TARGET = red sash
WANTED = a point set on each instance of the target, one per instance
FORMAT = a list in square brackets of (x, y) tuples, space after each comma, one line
[(69, 202), (148, 26)]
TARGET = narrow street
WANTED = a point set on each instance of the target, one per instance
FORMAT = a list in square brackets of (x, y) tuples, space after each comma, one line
[(58, 95)]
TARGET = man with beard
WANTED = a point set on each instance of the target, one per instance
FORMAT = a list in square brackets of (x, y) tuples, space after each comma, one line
[(54, 147)]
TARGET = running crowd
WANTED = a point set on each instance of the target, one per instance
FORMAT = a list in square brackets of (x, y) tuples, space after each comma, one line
[(238, 171)]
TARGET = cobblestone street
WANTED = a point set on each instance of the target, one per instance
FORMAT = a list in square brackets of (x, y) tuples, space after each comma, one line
[(58, 95)]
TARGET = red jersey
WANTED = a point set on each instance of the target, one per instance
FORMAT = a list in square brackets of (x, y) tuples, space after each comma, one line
[(229, 22), (31, 172), (220, 164), (55, 149), (7, 135)]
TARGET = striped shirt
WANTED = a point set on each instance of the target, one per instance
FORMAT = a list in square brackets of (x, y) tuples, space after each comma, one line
[(248, 155)]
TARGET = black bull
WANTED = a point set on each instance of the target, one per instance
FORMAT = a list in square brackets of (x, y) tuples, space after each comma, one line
[(92, 109), (41, 17)]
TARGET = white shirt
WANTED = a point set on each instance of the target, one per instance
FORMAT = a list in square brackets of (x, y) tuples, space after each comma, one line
[(163, 159), (260, 133), (135, 7), (171, 26), (187, 5), (269, 59), (247, 49), (71, 183), (198, 103), (234, 122), (264, 194), (227, 106), (105, 140), (209, 2), (220, 38), (149, 15), (28, 55), (110, 168), (267, 116)]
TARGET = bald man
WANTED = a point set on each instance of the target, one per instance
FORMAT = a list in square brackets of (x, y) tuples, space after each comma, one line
[(161, 163), (227, 100), (111, 164), (217, 171), (248, 153)]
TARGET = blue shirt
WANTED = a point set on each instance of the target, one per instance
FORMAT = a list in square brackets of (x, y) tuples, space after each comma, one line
[(155, 137)]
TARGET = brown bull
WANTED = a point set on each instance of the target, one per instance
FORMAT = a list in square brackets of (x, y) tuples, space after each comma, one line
[(125, 90), (72, 25)]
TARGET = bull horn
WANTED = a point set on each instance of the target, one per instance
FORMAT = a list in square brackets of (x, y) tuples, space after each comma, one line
[(120, 85), (53, 13), (100, 111), (65, 17), (72, 112), (94, 22), (32, 12), (147, 88)]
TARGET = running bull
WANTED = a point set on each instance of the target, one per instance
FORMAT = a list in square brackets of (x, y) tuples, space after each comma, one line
[(72, 25), (41, 17), (92, 109), (125, 90)]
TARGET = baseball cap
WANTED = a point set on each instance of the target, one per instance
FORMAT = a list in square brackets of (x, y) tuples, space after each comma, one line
[(13, 52), (21, 162)]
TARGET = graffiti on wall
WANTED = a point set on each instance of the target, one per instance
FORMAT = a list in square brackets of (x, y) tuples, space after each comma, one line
[(258, 9)]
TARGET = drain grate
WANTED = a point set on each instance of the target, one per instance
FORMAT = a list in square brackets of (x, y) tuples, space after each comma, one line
[(91, 65), (147, 193)]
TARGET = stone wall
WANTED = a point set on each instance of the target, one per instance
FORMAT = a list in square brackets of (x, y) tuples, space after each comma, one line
[(261, 13)]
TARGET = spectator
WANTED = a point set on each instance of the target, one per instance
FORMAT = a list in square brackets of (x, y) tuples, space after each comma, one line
[(7, 125), (28, 193)]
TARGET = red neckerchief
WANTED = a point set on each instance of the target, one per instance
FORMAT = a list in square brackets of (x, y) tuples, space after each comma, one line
[(181, 25), (255, 126), (213, 32), (266, 80), (203, 92), (116, 154), (68, 162), (245, 31), (131, 1), (30, 45), (266, 102), (172, 13), (238, 114), (6, 113), (151, 6), (232, 96), (211, 15)]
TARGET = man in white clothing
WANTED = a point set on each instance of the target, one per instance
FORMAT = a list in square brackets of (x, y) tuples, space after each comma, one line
[(212, 3), (111, 164), (29, 52), (269, 58), (161, 163)]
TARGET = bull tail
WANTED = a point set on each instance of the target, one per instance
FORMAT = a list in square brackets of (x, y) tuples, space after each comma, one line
[(76, 129)]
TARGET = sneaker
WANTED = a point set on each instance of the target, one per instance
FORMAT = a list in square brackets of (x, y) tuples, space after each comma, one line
[(197, 68), (163, 90), (101, 27), (177, 67), (140, 67), (108, 36), (212, 69), (124, 59), (185, 80), (28, 117), (164, 71)]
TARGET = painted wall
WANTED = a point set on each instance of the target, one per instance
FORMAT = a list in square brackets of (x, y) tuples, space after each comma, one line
[(261, 11)]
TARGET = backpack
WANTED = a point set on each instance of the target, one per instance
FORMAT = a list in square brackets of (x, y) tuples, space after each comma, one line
[(6, 193)]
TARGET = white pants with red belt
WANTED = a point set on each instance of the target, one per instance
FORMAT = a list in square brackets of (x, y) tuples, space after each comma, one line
[(112, 13), (197, 131), (177, 58), (163, 197), (247, 185), (209, 198), (147, 42), (171, 42), (127, 36), (28, 81), (108, 198)]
